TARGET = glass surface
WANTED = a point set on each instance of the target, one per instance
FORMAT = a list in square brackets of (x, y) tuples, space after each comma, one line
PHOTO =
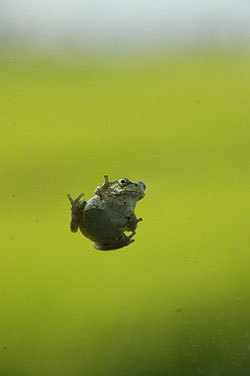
[(175, 302)]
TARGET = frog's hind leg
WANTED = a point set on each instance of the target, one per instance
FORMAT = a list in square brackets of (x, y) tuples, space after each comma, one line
[(117, 243), (77, 207), (103, 247)]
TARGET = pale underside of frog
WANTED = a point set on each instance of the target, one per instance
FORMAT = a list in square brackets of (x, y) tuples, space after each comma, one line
[(106, 216)]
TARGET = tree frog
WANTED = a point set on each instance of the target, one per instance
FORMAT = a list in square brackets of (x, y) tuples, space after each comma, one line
[(104, 218)]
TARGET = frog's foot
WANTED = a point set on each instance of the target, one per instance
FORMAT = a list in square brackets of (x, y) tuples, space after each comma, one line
[(77, 204), (139, 220), (103, 189), (131, 236), (107, 182), (77, 207)]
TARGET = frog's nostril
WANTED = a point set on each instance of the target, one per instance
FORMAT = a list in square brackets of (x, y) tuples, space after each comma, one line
[(142, 184)]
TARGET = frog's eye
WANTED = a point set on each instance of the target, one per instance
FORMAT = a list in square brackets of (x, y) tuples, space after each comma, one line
[(123, 181)]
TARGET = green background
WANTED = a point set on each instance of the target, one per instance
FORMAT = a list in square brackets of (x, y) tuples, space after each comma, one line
[(175, 302)]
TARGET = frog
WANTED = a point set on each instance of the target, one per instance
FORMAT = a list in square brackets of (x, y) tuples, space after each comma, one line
[(106, 216)]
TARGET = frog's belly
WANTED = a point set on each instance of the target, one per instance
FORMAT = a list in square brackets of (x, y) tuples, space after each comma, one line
[(98, 225)]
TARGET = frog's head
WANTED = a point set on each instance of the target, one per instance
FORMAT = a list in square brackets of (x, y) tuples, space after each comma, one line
[(126, 188)]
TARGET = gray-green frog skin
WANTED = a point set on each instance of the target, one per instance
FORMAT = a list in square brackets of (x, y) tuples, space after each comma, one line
[(104, 218)]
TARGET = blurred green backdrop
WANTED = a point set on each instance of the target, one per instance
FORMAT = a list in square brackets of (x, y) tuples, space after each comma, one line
[(177, 301)]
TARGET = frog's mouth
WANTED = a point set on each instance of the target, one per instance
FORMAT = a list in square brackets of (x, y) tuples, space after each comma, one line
[(134, 192), (138, 188), (131, 191)]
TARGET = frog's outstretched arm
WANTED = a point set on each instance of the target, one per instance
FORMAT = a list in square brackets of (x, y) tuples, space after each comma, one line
[(103, 189), (77, 207)]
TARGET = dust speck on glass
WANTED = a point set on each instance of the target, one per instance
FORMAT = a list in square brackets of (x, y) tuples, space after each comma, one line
[(104, 218)]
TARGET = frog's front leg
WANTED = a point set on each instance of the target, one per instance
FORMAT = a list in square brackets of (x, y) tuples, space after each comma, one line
[(132, 221), (132, 228), (103, 189), (77, 207)]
